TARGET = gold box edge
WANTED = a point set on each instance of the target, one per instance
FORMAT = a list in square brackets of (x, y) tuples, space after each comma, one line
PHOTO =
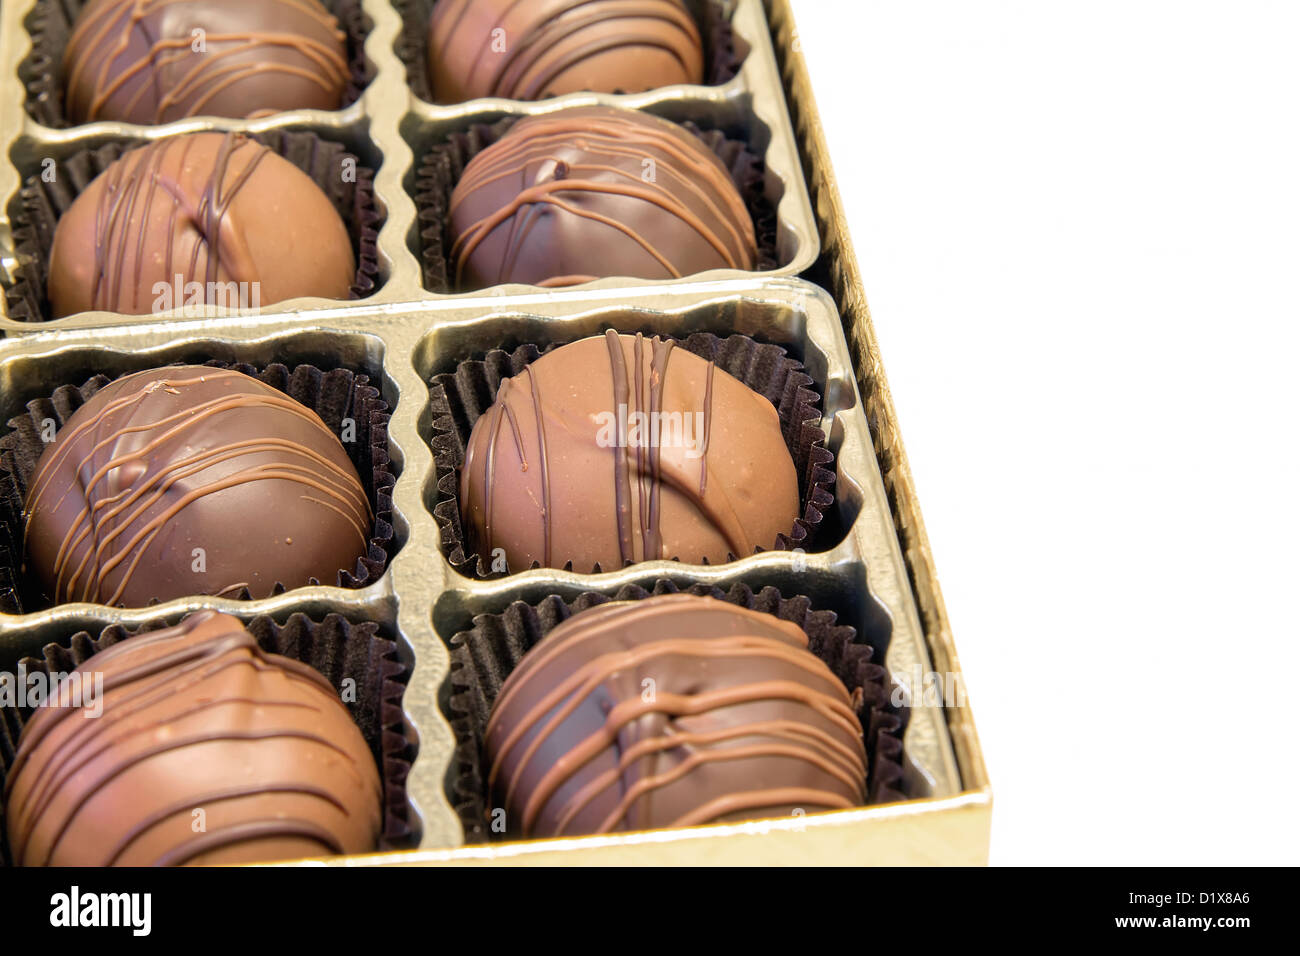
[(848, 292)]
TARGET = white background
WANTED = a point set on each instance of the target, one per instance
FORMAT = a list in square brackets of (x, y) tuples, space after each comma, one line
[(1079, 225)]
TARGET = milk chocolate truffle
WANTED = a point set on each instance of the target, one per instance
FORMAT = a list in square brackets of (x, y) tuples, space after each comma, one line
[(188, 480), (528, 51), (618, 449), (587, 193), (669, 712), (204, 750), (207, 218), (155, 61)]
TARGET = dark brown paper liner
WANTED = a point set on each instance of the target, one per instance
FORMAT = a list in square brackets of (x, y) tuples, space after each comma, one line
[(723, 51), (483, 657), (458, 399), (333, 395), (337, 649), (442, 166), (43, 203), (50, 25)]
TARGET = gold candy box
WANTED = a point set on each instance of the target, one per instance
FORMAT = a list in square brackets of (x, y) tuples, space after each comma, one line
[(872, 565)]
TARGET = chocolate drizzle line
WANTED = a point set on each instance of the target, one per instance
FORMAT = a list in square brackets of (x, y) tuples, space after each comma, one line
[(192, 655), (663, 350), (547, 516), (332, 650), (110, 28), (708, 424), (489, 470), (622, 474), (484, 658)]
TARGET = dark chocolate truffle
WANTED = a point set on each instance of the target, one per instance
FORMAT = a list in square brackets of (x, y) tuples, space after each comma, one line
[(617, 449), (207, 219), (155, 61), (528, 51), (204, 750), (587, 193), (189, 480), (672, 711)]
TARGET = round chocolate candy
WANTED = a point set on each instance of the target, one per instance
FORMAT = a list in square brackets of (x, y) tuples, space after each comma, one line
[(668, 712), (203, 220), (587, 193), (203, 750), (618, 449), (528, 51), (190, 480), (155, 61)]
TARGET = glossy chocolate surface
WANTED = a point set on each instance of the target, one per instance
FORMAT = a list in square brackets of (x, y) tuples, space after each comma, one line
[(204, 750), (155, 61), (207, 219), (621, 448), (587, 193), (541, 48), (671, 711), (190, 480)]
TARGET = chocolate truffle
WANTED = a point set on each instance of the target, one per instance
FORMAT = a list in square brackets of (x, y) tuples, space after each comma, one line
[(155, 61), (668, 712), (204, 750), (587, 193), (204, 220), (528, 51), (618, 449), (189, 480)]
